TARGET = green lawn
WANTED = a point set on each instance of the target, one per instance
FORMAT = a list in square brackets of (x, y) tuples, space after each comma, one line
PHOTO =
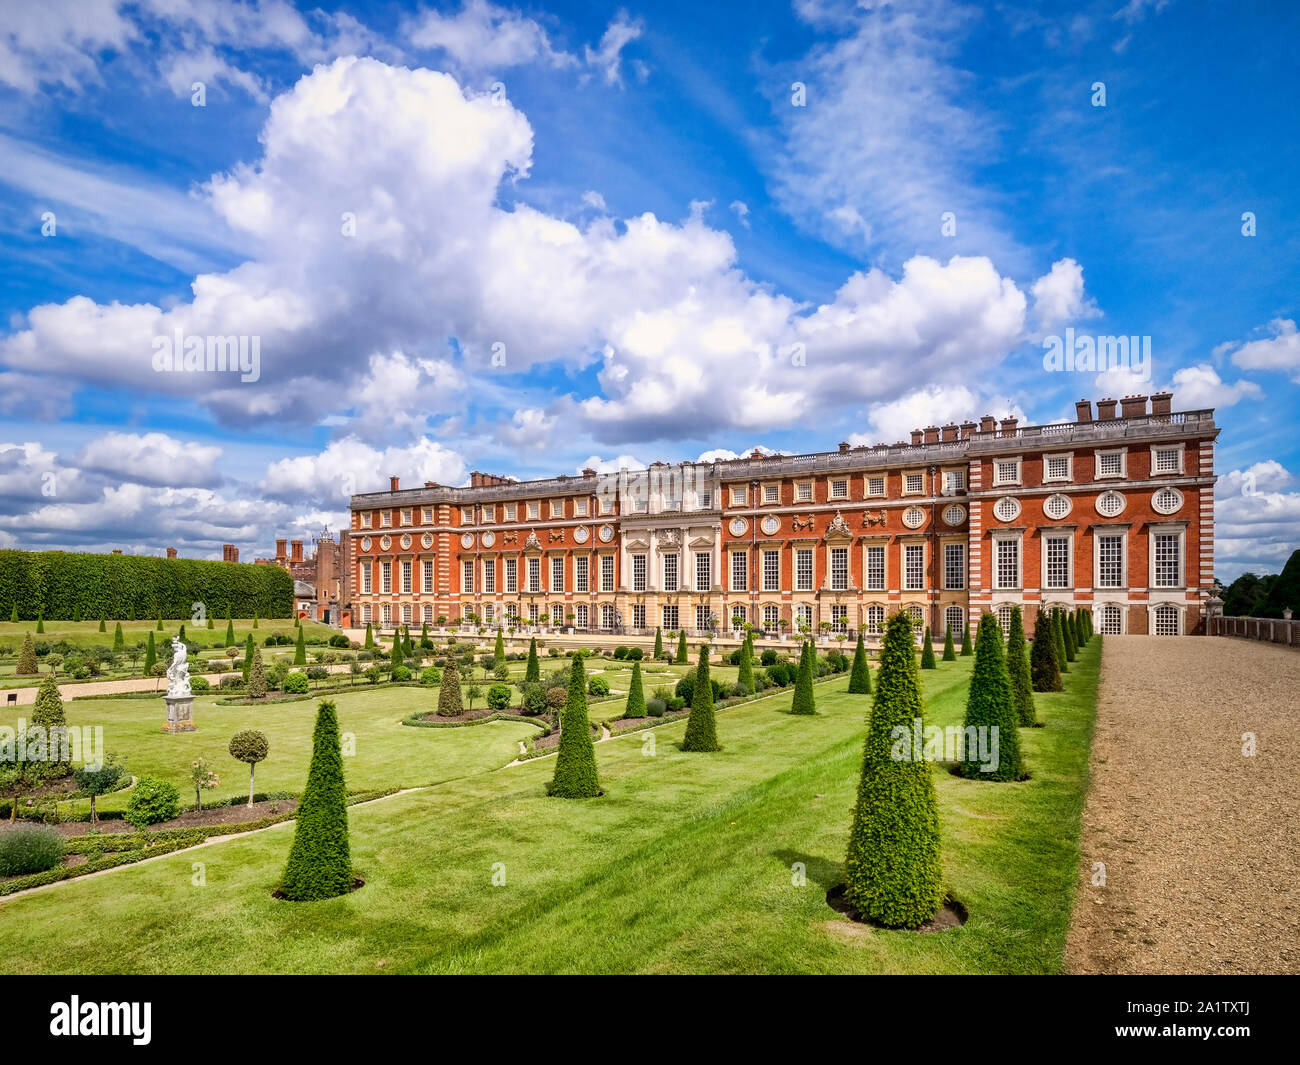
[(683, 866)]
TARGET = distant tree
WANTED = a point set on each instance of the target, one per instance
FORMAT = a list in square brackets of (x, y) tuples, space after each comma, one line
[(1284, 592), (119, 641), (150, 654), (103, 624), (202, 776)]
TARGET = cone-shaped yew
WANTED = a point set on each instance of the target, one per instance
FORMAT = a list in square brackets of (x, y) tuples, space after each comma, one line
[(949, 653), (965, 640), (990, 712), (1022, 688), (701, 728), (681, 648), (804, 702), (893, 871), (320, 861), (575, 765), (1058, 637), (860, 674), (635, 694), (927, 651), (533, 669), (1044, 670)]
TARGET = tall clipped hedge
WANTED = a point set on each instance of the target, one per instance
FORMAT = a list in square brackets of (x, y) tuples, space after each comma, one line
[(320, 861), (893, 871), (61, 585)]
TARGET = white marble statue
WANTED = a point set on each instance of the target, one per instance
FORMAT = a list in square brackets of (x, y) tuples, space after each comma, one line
[(178, 673)]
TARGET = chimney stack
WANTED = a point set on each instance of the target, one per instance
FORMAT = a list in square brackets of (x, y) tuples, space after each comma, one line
[(967, 429), (1161, 404), (229, 553), (1133, 406), (1083, 410), (1008, 426), (280, 550), (844, 447), (392, 484), (917, 437), (931, 434), (295, 551), (950, 432), (587, 471), (1105, 410), (988, 423), (171, 552)]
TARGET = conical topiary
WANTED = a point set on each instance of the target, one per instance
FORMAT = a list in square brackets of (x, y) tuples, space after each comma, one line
[(320, 860), (990, 712), (254, 619), (248, 656), (860, 674), (659, 643), (1067, 633), (300, 649), (804, 701), (48, 711), (395, 655), (949, 652), (533, 668), (701, 728), (27, 666), (965, 640), (103, 623), (449, 701), (150, 654), (893, 871), (499, 651), (1044, 670), (230, 633), (257, 676), (370, 635), (40, 622), (635, 694), (927, 651), (159, 627), (681, 648), (575, 764), (13, 614), (1058, 637), (745, 676), (1022, 688), (119, 641)]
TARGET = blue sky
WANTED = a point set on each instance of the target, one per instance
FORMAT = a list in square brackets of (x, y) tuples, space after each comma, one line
[(590, 234)]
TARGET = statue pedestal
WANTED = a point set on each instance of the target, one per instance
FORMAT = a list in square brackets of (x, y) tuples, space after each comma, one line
[(180, 713)]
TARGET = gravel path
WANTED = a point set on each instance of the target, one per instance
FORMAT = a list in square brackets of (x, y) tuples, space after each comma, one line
[(1201, 843)]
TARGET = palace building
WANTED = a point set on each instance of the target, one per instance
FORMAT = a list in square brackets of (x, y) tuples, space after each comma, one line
[(1113, 512)]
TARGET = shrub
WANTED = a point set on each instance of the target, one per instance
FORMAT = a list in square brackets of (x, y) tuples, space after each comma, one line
[(1058, 637), (29, 849), (965, 641), (96, 780), (449, 701), (232, 683), (803, 702), (768, 657), (199, 685), (533, 698), (701, 726), (620, 653), (635, 694), (297, 683), (575, 764), (860, 675), (681, 648), (598, 686), (152, 801), (48, 711), (257, 676), (533, 670), (676, 703), (782, 674), (745, 678), (27, 666), (1022, 689), (893, 870), (431, 675), (635, 654), (556, 696), (989, 707), (400, 674), (320, 861), (1071, 637), (499, 696), (653, 707)]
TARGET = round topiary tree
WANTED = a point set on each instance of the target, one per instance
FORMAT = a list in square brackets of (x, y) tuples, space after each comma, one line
[(949, 654), (449, 699), (1022, 687), (96, 780), (27, 666), (927, 651), (965, 641), (575, 764), (893, 873), (533, 668), (251, 746), (681, 648), (257, 676), (991, 711), (48, 711), (635, 694), (701, 728), (860, 674), (804, 702), (320, 861)]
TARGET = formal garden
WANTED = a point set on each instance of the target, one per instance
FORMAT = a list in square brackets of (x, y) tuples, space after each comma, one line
[(446, 804)]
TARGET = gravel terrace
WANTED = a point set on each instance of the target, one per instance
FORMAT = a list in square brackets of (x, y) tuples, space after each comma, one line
[(1201, 844)]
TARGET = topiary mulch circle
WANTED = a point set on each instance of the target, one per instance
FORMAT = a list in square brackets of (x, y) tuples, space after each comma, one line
[(357, 884), (953, 914)]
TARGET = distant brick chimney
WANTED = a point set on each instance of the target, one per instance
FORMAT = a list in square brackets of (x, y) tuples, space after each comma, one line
[(1083, 410), (988, 423), (950, 432), (392, 484), (229, 553), (295, 551), (844, 447), (931, 434), (171, 552), (587, 471), (967, 428), (1008, 426), (1105, 410), (1162, 404), (917, 436), (281, 547), (117, 550), (1133, 407)]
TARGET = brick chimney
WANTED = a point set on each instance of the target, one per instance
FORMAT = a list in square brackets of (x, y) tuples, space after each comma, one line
[(392, 484), (1161, 404), (1105, 410), (587, 471), (988, 423), (1008, 426), (950, 432), (1083, 410), (295, 551), (430, 484), (171, 552), (917, 437), (1133, 407), (931, 434), (844, 447), (117, 550), (967, 428), (229, 553), (280, 550)]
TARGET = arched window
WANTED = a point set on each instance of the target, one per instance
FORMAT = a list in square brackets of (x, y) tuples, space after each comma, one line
[(875, 618), (582, 615), (771, 613), (738, 616), (1165, 620), (1110, 620), (954, 617), (406, 613), (803, 615), (1004, 619), (427, 613), (607, 616), (914, 611)]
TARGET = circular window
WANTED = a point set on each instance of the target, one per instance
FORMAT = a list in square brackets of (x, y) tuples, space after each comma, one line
[(954, 514), (738, 526), (427, 540), (1006, 509), (365, 543), (1058, 506), (385, 542), (467, 540), (771, 524), (489, 538), (1167, 501), (914, 517), (606, 533), (406, 541), (580, 534), (1110, 503)]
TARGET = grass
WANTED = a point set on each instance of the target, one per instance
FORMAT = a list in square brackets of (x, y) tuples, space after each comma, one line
[(686, 865)]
